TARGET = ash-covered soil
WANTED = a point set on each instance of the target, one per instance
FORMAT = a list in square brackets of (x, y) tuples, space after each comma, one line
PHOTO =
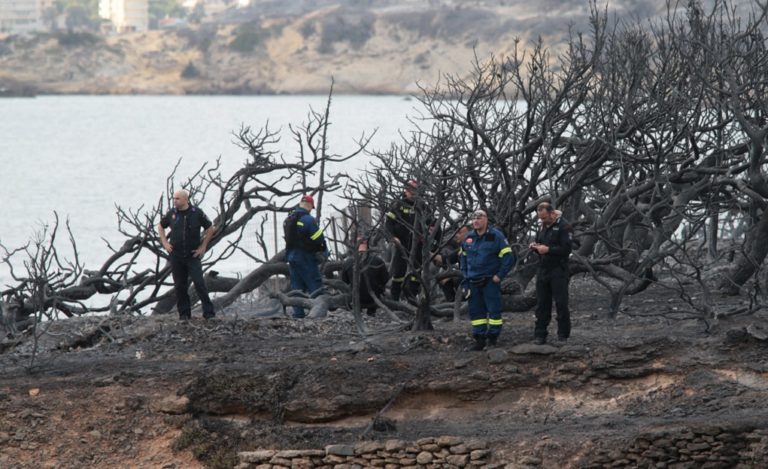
[(154, 392)]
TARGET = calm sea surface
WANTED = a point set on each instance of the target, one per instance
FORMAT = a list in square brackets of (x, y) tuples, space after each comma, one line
[(82, 155)]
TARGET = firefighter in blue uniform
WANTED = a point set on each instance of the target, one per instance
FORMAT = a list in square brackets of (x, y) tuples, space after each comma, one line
[(486, 258), (185, 249), (304, 240), (553, 243)]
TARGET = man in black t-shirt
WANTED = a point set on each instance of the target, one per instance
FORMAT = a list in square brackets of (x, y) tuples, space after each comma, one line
[(186, 249)]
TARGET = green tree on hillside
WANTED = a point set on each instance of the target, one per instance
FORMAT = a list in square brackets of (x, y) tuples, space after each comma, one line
[(159, 9), (80, 14)]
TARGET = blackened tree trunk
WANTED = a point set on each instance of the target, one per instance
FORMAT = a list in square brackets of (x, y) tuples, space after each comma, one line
[(748, 261)]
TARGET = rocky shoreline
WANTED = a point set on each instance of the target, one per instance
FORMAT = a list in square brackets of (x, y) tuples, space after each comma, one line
[(17, 90)]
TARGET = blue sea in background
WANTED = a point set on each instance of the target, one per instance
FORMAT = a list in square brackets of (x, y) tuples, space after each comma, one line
[(82, 155)]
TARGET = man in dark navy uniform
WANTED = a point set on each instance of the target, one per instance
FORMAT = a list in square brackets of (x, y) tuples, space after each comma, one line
[(304, 241), (408, 224), (186, 248), (554, 245)]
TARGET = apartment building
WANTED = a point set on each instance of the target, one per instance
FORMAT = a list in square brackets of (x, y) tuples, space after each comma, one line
[(20, 16), (125, 15)]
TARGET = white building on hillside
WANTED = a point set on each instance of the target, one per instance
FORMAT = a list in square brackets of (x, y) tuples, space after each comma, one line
[(20, 16), (125, 15)]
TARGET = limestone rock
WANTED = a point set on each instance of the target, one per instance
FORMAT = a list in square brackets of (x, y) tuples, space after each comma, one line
[(526, 349), (340, 450), (174, 405), (256, 456)]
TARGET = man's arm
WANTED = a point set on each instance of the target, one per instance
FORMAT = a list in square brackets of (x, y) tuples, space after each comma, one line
[(312, 230), (463, 264), (207, 236), (507, 260), (391, 222), (382, 274), (163, 238)]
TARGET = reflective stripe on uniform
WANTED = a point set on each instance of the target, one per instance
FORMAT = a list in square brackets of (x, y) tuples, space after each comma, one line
[(495, 322), (317, 234), (398, 279), (414, 278), (406, 210), (506, 250), (299, 223), (479, 322), (391, 215)]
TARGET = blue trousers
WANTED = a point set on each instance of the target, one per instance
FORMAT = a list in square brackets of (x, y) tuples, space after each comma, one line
[(305, 277), (485, 309)]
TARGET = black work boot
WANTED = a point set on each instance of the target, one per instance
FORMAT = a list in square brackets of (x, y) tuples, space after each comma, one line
[(492, 340), (479, 343)]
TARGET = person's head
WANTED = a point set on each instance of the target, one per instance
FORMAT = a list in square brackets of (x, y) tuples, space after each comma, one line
[(461, 233), (479, 220), (181, 199), (362, 243), (410, 189), (546, 212), (307, 202)]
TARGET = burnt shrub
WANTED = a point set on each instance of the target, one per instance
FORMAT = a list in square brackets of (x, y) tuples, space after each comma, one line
[(308, 29), (354, 28), (198, 38), (77, 39), (249, 36), (190, 72)]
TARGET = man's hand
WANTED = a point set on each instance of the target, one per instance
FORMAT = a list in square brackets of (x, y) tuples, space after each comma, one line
[(438, 260), (396, 240), (496, 279), (168, 247), (199, 251)]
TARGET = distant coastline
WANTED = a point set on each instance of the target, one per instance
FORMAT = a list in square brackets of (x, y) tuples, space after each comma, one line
[(15, 90), (366, 50)]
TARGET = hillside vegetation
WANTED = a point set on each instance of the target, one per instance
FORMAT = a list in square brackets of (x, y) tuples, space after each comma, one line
[(291, 47)]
